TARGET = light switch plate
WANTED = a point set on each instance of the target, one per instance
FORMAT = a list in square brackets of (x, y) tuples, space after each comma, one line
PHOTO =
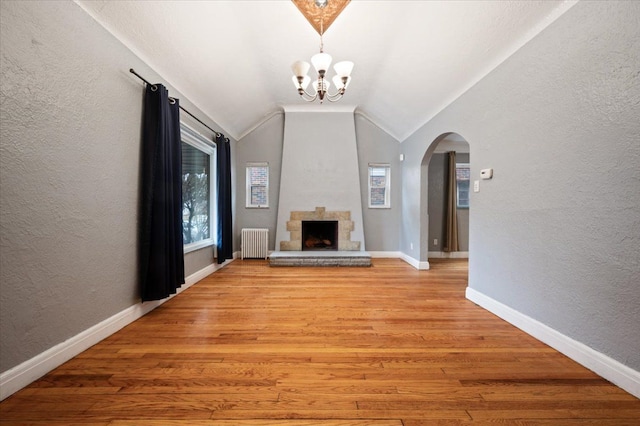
[(476, 186)]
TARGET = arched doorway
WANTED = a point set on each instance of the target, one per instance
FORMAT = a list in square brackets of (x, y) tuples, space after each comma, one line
[(435, 241)]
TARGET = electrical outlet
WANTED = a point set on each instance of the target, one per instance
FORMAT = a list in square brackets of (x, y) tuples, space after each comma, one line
[(411, 246), (435, 241)]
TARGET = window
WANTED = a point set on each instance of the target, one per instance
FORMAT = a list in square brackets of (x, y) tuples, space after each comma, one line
[(379, 187), (198, 188), (257, 185), (463, 177)]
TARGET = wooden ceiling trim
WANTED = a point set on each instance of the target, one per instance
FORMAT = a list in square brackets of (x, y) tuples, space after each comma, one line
[(321, 19)]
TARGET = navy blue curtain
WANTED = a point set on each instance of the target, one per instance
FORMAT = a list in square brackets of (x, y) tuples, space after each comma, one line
[(225, 225), (161, 248)]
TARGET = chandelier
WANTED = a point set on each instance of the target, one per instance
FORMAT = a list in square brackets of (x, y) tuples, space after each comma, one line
[(321, 62)]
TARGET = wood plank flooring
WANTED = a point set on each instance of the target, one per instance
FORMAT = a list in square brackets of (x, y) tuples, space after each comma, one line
[(380, 346)]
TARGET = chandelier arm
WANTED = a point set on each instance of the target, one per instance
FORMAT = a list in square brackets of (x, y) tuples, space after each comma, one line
[(336, 96), (306, 95)]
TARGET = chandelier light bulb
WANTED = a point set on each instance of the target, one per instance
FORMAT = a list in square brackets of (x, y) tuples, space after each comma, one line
[(305, 82), (321, 62), (344, 68), (300, 68)]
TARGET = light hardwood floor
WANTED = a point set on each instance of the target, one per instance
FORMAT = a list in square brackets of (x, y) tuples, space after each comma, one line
[(386, 345)]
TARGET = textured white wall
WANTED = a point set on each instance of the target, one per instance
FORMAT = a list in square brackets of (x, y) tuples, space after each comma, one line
[(69, 172), (319, 167), (555, 234)]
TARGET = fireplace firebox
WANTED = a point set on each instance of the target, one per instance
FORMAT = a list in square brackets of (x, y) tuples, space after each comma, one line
[(319, 235)]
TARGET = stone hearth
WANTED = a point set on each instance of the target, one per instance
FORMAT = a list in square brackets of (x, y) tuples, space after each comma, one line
[(323, 258), (348, 252)]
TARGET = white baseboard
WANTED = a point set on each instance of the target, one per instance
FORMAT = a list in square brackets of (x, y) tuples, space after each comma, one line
[(448, 255), (23, 374), (612, 370), (421, 265), (385, 254)]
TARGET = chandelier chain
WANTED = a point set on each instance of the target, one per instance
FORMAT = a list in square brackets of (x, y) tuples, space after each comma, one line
[(321, 33)]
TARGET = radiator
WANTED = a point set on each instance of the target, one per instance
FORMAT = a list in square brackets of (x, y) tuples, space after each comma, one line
[(255, 243)]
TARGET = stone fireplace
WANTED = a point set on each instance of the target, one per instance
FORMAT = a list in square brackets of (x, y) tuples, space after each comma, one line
[(320, 230), (319, 235), (319, 168)]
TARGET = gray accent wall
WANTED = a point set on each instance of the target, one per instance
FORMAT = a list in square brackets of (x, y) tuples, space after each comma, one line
[(555, 235), (264, 144), (381, 230), (69, 168), (319, 166)]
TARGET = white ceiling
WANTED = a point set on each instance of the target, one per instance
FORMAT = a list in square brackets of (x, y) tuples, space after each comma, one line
[(412, 58)]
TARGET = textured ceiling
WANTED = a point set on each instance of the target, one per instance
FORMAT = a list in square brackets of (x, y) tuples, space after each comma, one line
[(412, 58)]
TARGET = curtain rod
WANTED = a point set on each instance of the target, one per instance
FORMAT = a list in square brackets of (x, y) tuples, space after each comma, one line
[(218, 134)]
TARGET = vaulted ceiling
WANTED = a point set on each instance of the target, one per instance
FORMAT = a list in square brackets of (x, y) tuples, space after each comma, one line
[(412, 58)]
